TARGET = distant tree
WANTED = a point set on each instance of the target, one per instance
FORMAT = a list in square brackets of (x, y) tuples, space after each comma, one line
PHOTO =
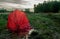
[(27, 10), (3, 10), (52, 6), (35, 8)]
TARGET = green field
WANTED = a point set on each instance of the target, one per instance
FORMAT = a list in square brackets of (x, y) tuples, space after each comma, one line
[(48, 25)]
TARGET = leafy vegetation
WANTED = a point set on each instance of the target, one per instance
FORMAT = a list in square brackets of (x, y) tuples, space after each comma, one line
[(48, 25), (51, 6)]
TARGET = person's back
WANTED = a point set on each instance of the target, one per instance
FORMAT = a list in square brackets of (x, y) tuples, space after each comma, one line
[(18, 22)]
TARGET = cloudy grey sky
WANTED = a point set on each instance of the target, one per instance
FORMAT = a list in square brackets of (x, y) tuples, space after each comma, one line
[(23, 3)]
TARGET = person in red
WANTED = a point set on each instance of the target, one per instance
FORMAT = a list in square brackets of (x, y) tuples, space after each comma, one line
[(18, 23)]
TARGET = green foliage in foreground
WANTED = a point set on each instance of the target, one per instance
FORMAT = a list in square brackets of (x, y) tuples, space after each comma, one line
[(48, 25)]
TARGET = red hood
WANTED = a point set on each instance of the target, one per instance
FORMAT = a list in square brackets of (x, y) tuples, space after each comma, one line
[(18, 17)]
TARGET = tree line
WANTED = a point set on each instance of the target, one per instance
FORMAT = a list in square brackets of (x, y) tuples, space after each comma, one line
[(51, 6)]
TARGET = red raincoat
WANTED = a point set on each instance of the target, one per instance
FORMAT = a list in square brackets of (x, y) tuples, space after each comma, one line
[(17, 20)]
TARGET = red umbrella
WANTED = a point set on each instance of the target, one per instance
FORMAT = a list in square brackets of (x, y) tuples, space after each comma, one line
[(17, 21)]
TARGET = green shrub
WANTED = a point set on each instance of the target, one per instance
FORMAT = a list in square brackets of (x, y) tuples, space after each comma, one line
[(48, 25)]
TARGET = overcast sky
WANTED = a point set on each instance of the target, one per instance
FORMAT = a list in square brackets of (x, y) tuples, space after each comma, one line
[(23, 3)]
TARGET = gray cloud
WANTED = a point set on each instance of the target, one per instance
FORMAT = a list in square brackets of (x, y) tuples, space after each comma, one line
[(23, 3), (15, 1)]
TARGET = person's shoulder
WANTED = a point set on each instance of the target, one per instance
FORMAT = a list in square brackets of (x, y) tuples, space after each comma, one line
[(20, 12), (17, 11)]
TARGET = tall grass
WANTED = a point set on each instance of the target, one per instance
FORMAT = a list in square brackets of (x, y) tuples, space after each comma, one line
[(48, 25)]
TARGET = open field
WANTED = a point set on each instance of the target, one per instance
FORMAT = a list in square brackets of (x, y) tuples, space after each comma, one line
[(47, 24)]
